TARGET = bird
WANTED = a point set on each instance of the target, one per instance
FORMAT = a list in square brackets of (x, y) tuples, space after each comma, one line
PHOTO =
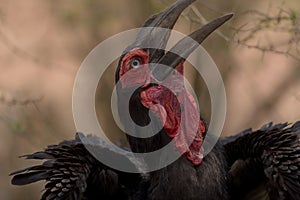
[(253, 164)]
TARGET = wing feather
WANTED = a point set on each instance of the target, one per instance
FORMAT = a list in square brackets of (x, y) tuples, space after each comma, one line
[(71, 172), (276, 151)]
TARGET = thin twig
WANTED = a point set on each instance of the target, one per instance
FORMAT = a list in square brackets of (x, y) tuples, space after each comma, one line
[(283, 22), (12, 101)]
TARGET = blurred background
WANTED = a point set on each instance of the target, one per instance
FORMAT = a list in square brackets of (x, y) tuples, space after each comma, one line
[(42, 44)]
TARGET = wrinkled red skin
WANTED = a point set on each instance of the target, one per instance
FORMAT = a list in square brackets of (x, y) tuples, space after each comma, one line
[(167, 106), (137, 76)]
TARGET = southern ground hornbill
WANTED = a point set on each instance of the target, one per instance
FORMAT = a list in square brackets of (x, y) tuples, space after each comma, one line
[(262, 164)]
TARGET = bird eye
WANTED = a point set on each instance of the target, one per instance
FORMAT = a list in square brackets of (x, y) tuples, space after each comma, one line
[(135, 63)]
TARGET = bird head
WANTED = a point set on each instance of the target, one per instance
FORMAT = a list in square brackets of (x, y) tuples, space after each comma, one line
[(141, 67)]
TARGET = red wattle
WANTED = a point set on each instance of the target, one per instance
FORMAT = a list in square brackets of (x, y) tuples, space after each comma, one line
[(192, 129)]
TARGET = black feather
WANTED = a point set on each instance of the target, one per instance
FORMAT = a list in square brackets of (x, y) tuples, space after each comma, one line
[(30, 177)]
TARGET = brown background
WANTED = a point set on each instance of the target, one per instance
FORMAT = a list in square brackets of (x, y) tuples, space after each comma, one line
[(42, 44)]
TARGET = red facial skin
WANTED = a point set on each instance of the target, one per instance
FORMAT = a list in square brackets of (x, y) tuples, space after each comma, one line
[(169, 110), (137, 76)]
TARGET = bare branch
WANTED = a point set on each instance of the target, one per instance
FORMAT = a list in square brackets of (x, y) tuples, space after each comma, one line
[(7, 99), (201, 20), (285, 23)]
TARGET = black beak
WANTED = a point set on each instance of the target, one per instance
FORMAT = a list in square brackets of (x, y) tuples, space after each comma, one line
[(187, 45), (159, 32), (162, 23)]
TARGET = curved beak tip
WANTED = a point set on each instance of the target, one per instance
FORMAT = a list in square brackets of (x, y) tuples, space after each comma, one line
[(229, 16)]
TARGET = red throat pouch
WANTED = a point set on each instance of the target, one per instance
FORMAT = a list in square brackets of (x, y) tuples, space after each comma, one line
[(180, 114)]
